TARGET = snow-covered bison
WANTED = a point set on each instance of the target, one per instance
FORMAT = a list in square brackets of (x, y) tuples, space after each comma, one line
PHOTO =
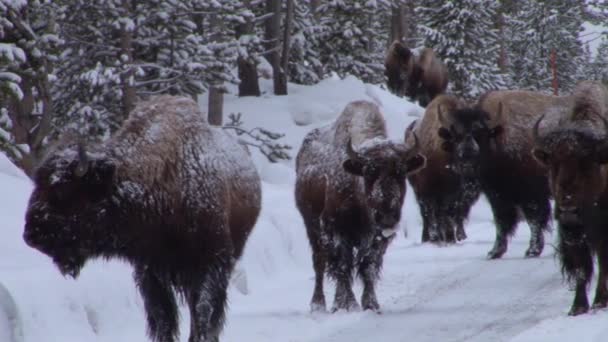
[(421, 77), (168, 193), (444, 196), (498, 137), (575, 152), (350, 189)]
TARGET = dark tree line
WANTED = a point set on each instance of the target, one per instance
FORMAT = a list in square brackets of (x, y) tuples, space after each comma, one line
[(82, 64)]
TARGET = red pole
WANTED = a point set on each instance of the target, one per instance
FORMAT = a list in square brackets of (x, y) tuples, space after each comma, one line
[(554, 71)]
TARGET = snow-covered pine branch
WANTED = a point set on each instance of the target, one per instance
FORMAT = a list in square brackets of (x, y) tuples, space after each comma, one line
[(260, 138)]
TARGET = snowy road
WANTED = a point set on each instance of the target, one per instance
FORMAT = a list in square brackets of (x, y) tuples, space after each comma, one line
[(427, 294)]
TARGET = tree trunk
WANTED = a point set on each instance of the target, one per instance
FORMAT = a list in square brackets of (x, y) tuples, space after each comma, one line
[(282, 76), (248, 70), (126, 55), (216, 106), (397, 23), (273, 44)]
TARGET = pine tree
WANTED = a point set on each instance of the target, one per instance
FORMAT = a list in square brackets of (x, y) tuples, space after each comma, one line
[(599, 67), (462, 33), (540, 29), (27, 52), (305, 66), (349, 41)]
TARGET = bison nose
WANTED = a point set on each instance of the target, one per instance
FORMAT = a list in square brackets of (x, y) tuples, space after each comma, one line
[(386, 220)]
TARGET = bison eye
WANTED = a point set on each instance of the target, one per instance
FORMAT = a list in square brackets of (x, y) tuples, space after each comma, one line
[(371, 171), (541, 156)]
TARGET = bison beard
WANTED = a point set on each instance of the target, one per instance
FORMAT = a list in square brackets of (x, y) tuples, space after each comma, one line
[(576, 157), (171, 195), (351, 200)]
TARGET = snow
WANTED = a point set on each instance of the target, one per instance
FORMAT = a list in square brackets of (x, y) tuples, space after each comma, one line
[(427, 293)]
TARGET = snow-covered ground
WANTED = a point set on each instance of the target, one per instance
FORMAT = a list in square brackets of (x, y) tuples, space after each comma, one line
[(427, 293)]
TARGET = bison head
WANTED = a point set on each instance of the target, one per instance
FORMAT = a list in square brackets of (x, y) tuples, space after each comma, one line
[(466, 134), (574, 158), (400, 69), (68, 207), (384, 166)]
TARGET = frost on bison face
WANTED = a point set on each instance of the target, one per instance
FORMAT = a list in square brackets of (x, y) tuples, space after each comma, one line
[(68, 202)]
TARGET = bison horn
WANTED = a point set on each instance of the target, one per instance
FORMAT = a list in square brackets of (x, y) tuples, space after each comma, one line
[(83, 161), (535, 134), (350, 152), (440, 115)]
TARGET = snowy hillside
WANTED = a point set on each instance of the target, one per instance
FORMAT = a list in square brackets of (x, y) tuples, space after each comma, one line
[(427, 293)]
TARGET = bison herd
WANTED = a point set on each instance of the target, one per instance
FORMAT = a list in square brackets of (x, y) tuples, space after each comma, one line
[(177, 198)]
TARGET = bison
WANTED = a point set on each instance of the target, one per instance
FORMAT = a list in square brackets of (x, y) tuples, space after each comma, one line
[(350, 188), (421, 78), (444, 196), (492, 143), (575, 152), (167, 193)]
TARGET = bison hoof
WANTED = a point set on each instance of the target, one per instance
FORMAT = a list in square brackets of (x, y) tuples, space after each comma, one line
[(600, 304), (533, 252), (496, 254), (318, 307), (578, 310), (371, 305), (461, 236), (348, 307)]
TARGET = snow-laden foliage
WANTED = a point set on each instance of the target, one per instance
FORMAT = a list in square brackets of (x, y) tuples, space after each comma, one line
[(305, 66), (134, 49), (350, 41), (260, 138), (539, 29), (462, 33), (27, 53)]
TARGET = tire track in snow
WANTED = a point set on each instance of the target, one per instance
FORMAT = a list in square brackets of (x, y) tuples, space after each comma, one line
[(479, 301)]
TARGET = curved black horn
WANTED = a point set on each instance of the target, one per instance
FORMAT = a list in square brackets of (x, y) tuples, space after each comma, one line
[(83, 160), (408, 130), (350, 152), (535, 134)]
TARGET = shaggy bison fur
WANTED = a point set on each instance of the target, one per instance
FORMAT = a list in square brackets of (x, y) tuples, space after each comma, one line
[(421, 77), (445, 196), (575, 152), (350, 189), (167, 193)]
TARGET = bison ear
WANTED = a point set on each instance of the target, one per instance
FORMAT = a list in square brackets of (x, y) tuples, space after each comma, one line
[(353, 166), (542, 156), (496, 131), (415, 163), (444, 134), (101, 172)]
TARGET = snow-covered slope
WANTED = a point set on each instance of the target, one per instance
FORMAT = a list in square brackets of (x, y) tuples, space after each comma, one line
[(427, 293)]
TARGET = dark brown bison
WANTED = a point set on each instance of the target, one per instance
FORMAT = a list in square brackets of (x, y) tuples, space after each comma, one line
[(168, 193), (575, 152), (421, 78), (350, 189), (492, 144), (445, 196)]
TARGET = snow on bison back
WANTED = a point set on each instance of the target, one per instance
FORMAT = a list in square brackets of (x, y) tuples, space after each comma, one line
[(168, 193)]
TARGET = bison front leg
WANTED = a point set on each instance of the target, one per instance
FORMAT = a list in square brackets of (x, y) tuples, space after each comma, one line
[(369, 271), (159, 303), (577, 264), (341, 265), (601, 293), (505, 218), (537, 214), (207, 301)]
